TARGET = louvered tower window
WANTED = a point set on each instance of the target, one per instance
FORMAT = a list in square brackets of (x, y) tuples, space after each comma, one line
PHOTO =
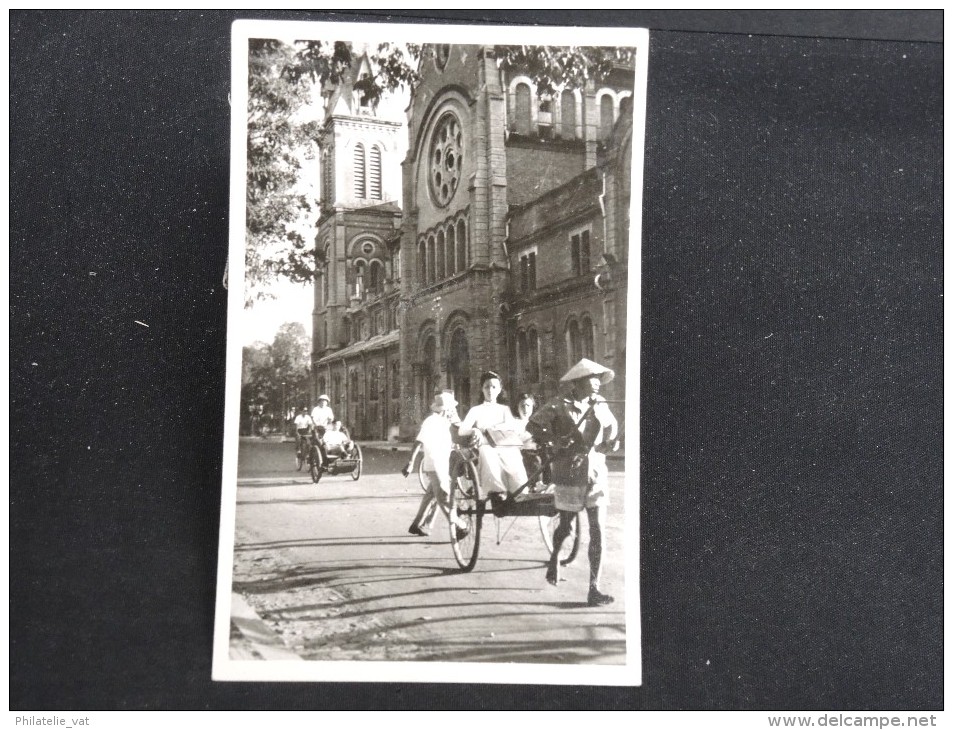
[(375, 173), (360, 187)]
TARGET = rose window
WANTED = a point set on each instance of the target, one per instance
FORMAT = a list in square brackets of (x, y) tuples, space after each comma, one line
[(446, 159)]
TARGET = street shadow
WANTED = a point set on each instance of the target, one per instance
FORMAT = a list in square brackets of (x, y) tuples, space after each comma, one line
[(328, 500)]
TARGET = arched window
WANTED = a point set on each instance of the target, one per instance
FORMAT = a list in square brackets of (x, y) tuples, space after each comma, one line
[(346, 331), (605, 116), (625, 105), (421, 262), (532, 356), (461, 246), (431, 260), (360, 188), (453, 265), (586, 348), (573, 344), (524, 119), (326, 284), (359, 280), (568, 109), (375, 173), (441, 257), (375, 280)]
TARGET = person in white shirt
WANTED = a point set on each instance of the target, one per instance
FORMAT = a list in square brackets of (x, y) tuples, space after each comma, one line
[(303, 424), (321, 415), (501, 466), (436, 442), (336, 439)]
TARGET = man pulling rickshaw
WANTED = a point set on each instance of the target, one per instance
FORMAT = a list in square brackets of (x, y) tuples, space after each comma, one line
[(578, 430)]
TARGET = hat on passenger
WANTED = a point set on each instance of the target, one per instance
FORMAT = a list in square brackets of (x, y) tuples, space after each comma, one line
[(323, 397), (443, 401), (586, 369)]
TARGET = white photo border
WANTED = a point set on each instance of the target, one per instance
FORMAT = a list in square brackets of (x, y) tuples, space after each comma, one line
[(223, 667)]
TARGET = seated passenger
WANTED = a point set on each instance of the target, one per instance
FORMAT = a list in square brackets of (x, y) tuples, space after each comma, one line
[(336, 439), (497, 436)]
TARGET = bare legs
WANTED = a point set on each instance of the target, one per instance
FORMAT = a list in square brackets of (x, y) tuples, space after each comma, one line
[(597, 517)]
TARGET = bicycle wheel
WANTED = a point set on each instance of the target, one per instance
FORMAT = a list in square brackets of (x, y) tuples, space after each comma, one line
[(299, 458), (465, 497), (356, 472), (570, 548), (317, 464)]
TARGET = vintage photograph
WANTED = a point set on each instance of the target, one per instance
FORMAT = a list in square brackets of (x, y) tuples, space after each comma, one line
[(431, 467)]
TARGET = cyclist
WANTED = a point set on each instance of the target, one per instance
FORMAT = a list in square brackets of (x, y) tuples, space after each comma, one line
[(303, 426)]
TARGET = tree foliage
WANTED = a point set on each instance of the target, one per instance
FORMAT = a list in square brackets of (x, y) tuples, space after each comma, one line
[(274, 375), (282, 79)]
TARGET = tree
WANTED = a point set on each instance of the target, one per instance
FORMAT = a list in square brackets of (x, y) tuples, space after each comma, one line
[(274, 375), (282, 79)]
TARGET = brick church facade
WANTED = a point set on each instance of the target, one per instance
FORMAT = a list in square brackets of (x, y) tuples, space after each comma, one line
[(509, 251)]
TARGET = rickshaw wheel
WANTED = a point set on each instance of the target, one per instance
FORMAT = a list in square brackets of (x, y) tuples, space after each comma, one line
[(356, 472), (420, 476), (317, 464), (570, 548), (465, 496)]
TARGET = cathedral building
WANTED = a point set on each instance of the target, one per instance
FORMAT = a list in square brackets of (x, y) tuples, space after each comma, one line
[(510, 252)]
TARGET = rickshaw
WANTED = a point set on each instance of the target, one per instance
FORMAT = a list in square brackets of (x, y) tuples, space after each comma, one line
[(323, 456), (531, 499)]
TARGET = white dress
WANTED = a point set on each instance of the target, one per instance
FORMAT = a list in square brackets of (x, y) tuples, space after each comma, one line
[(501, 468)]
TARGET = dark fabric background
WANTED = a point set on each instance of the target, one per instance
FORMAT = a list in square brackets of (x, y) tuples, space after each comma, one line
[(791, 366)]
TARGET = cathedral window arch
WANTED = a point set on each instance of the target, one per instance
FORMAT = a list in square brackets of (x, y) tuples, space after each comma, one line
[(441, 258), (522, 104), (360, 271), (567, 108), (573, 342), (606, 114), (625, 103), (462, 245), (452, 265), (375, 277), (422, 261), (431, 260)]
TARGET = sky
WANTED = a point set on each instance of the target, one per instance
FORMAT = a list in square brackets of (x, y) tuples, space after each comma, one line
[(292, 303)]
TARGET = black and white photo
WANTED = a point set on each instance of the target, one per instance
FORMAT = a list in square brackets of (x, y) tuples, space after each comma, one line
[(431, 443)]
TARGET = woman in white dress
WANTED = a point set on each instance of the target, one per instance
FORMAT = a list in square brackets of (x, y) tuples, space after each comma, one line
[(501, 467)]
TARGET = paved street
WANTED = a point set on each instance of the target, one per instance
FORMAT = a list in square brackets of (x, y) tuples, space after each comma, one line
[(333, 574)]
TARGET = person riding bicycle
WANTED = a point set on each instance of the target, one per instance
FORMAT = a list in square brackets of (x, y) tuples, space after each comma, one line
[(303, 425)]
